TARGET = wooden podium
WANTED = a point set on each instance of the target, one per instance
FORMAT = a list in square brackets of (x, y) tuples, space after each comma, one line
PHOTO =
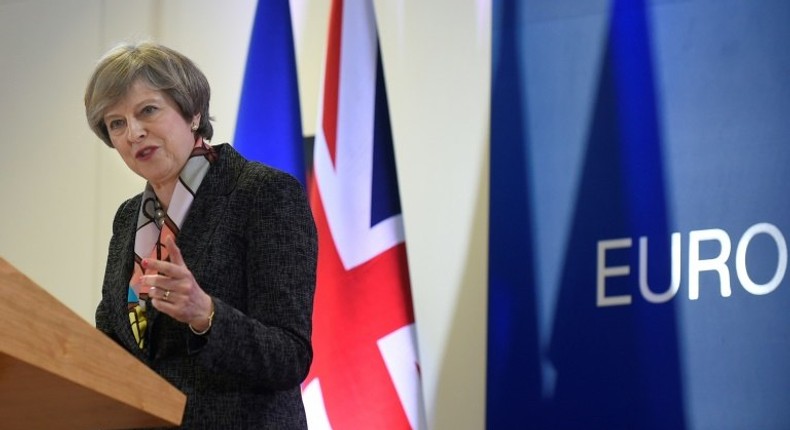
[(59, 372)]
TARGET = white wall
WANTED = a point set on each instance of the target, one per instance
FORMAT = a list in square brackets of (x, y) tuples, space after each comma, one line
[(60, 186)]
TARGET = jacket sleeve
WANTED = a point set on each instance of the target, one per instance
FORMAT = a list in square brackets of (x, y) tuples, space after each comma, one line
[(268, 343)]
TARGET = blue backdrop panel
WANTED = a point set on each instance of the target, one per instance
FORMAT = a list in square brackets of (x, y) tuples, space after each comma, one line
[(639, 162)]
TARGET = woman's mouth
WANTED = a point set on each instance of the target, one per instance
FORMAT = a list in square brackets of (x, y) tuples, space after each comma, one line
[(145, 153)]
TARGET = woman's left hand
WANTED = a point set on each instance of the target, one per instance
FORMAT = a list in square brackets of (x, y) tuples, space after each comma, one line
[(174, 290)]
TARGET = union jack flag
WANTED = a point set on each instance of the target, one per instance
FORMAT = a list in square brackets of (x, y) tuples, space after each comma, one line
[(365, 373)]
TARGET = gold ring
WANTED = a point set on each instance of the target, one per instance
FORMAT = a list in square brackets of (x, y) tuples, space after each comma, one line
[(167, 295)]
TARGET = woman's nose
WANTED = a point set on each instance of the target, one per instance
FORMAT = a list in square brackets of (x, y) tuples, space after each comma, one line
[(135, 131)]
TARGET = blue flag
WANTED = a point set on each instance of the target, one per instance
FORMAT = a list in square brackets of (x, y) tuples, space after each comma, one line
[(268, 127)]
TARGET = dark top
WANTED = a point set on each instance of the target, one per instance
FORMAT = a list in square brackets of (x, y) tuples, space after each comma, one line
[(250, 242)]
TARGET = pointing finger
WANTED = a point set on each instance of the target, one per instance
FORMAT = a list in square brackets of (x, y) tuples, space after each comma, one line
[(175, 252)]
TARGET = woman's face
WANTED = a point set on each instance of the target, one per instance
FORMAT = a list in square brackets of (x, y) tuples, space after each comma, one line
[(148, 131)]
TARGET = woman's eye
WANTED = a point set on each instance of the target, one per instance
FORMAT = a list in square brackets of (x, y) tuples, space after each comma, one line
[(115, 124), (149, 109)]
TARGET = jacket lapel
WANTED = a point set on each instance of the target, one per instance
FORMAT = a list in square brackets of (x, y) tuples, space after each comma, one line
[(208, 209), (123, 268)]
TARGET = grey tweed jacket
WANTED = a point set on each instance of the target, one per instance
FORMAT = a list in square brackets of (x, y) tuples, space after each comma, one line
[(250, 241)]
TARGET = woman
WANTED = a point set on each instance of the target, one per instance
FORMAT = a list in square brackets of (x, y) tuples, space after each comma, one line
[(211, 269)]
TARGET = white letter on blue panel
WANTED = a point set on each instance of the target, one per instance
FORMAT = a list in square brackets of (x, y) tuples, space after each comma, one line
[(718, 264), (603, 272)]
